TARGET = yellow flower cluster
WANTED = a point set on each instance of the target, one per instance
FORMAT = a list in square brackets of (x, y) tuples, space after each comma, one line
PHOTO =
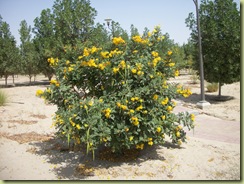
[(115, 52), (192, 117), (185, 92), (158, 129), (52, 61), (154, 62), (154, 54), (140, 146), (39, 92), (123, 107), (137, 69), (105, 54), (88, 51), (118, 40), (150, 141), (107, 112), (135, 121), (56, 83), (138, 39), (90, 63)]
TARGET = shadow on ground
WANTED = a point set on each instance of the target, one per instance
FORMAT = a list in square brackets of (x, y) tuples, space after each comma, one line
[(211, 98), (20, 84), (76, 164)]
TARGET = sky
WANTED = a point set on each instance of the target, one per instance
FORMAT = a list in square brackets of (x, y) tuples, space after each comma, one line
[(168, 14)]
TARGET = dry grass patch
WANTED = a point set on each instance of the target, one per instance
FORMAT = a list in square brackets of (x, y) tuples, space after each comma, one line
[(39, 116), (23, 122), (26, 137)]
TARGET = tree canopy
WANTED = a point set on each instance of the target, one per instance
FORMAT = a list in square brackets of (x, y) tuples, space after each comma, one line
[(220, 28)]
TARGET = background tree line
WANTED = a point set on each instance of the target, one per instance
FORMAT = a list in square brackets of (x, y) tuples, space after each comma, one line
[(71, 23)]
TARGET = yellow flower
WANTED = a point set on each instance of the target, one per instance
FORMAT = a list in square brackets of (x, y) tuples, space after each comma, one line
[(107, 112), (39, 92), (101, 100), (135, 121), (192, 117), (159, 129), (169, 108), (126, 129), (86, 125), (177, 73), (131, 138), (155, 97), (115, 70), (90, 103), (124, 107), (134, 71), (177, 134), (132, 111), (165, 101), (118, 40), (163, 117), (67, 62), (135, 51), (122, 64), (105, 139), (139, 108), (154, 54), (150, 143), (171, 64), (101, 66), (78, 127), (105, 54), (170, 53), (140, 146), (86, 52)]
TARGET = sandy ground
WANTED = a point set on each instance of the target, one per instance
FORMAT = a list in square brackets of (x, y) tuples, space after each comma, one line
[(29, 151)]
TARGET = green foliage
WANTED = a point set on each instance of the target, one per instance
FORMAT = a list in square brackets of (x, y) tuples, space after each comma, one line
[(8, 52), (212, 87), (119, 96), (3, 98), (220, 28), (44, 41), (28, 53)]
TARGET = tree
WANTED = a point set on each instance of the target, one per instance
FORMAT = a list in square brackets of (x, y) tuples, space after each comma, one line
[(220, 27), (74, 20), (8, 53), (44, 41), (29, 57)]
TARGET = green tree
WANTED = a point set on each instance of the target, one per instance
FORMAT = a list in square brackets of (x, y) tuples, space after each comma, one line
[(74, 21), (44, 40), (220, 28), (8, 52), (29, 56)]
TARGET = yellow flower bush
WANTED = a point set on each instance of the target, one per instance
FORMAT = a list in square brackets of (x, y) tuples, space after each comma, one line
[(118, 97)]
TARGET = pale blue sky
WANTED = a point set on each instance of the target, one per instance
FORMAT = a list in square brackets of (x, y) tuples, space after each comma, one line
[(170, 15)]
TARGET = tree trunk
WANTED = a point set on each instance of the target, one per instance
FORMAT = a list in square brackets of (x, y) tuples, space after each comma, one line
[(6, 80), (219, 89), (13, 79), (50, 76)]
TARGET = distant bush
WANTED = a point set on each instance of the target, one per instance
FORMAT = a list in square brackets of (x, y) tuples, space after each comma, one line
[(212, 87), (3, 98)]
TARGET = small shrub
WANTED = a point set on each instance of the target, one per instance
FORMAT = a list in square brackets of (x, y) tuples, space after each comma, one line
[(212, 87), (3, 98), (194, 77)]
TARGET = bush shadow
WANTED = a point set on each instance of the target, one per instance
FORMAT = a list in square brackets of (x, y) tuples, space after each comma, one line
[(70, 158)]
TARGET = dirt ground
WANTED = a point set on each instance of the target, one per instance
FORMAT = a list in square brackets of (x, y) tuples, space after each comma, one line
[(29, 150)]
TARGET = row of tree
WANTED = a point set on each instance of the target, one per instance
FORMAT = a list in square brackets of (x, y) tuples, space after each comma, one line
[(71, 22)]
